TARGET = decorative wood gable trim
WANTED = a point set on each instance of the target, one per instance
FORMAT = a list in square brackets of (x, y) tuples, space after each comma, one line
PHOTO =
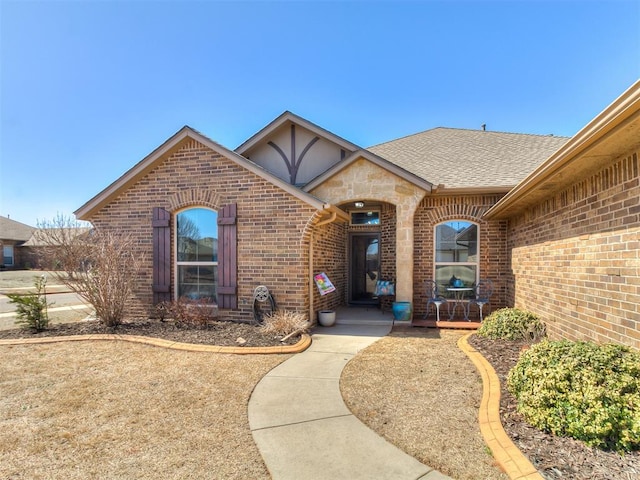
[(292, 162)]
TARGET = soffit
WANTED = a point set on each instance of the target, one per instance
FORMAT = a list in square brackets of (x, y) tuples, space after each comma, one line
[(612, 134)]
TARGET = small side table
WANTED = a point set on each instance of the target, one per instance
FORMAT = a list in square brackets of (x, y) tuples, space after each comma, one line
[(458, 299)]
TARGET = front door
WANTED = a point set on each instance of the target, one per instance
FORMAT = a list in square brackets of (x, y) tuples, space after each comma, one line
[(365, 268)]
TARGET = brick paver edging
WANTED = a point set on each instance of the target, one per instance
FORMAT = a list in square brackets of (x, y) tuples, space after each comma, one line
[(508, 456), (302, 345)]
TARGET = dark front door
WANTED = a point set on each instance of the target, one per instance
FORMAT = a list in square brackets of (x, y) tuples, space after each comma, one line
[(365, 268)]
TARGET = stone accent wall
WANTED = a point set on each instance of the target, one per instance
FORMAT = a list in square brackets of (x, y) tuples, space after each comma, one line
[(273, 225), (494, 265), (364, 180), (576, 257)]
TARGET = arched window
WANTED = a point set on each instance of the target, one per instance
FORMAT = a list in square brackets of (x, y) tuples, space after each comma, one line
[(197, 253), (456, 253)]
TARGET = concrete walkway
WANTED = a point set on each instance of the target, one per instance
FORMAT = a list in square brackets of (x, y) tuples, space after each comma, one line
[(302, 427)]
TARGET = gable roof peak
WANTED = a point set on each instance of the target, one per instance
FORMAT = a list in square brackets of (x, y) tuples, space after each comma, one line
[(288, 116)]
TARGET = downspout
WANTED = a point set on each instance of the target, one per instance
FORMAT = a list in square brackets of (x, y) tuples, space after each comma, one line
[(331, 218)]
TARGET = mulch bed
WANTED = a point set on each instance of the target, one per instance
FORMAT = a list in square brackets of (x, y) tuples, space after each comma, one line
[(554, 457), (215, 333)]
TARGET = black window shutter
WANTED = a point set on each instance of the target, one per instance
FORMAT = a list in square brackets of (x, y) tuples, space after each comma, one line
[(161, 255), (228, 257)]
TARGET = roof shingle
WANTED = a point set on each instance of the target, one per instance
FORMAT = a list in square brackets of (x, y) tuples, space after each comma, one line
[(458, 158)]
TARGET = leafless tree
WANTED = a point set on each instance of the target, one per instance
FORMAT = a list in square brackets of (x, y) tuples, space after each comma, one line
[(99, 265)]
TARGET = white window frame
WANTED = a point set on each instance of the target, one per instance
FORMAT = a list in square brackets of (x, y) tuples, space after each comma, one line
[(178, 263)]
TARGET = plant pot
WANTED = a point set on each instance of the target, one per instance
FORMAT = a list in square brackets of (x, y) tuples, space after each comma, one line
[(401, 311), (327, 318)]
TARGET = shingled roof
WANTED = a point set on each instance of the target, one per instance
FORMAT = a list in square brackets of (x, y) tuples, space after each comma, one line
[(15, 231), (458, 158)]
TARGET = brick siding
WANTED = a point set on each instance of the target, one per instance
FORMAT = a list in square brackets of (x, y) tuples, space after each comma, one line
[(273, 225), (575, 257), (494, 265)]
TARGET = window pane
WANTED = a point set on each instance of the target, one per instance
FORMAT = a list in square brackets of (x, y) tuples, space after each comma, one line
[(457, 242), (7, 255), (445, 274), (197, 235), (365, 218), (197, 282)]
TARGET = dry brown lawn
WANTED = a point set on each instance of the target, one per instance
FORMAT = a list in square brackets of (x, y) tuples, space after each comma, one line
[(121, 411), (420, 392)]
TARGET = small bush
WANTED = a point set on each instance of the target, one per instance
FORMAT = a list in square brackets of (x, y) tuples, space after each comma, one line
[(512, 324), (582, 390), (283, 322), (31, 308), (191, 313)]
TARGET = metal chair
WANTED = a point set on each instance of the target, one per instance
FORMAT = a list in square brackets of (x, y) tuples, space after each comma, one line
[(434, 298), (482, 295)]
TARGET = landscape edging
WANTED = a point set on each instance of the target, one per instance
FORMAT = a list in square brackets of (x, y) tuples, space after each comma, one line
[(302, 345), (507, 454)]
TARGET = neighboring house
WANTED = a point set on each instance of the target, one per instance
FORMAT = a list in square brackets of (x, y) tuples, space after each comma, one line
[(295, 200), (12, 235), (43, 250)]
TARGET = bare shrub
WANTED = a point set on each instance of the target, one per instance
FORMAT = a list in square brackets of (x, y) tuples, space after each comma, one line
[(191, 313), (284, 322), (99, 265)]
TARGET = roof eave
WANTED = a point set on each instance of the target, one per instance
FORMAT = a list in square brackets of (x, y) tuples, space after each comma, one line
[(624, 110), (172, 144), (292, 117), (372, 157), (442, 190)]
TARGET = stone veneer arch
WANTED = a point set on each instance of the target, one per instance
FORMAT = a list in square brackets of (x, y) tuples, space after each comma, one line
[(364, 179)]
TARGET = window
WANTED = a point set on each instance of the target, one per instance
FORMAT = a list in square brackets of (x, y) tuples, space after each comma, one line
[(197, 253), (365, 218), (7, 255), (456, 253)]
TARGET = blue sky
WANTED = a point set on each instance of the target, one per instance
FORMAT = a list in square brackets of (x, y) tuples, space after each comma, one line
[(89, 88)]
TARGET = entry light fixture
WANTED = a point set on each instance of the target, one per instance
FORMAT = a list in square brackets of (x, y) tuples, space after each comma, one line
[(359, 204)]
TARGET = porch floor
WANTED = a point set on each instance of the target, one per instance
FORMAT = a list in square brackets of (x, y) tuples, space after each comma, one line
[(372, 315)]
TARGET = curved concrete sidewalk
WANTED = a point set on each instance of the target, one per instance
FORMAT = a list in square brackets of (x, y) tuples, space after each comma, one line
[(302, 427)]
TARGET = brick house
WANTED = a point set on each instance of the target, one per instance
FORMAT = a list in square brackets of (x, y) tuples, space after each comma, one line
[(13, 235), (573, 231), (296, 199)]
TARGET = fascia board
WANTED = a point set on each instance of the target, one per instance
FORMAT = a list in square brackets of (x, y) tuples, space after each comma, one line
[(616, 114), (445, 191), (138, 170), (373, 158), (172, 144), (292, 117)]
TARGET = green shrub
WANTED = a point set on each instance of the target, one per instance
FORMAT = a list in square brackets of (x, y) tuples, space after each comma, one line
[(31, 308), (512, 324), (582, 390)]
